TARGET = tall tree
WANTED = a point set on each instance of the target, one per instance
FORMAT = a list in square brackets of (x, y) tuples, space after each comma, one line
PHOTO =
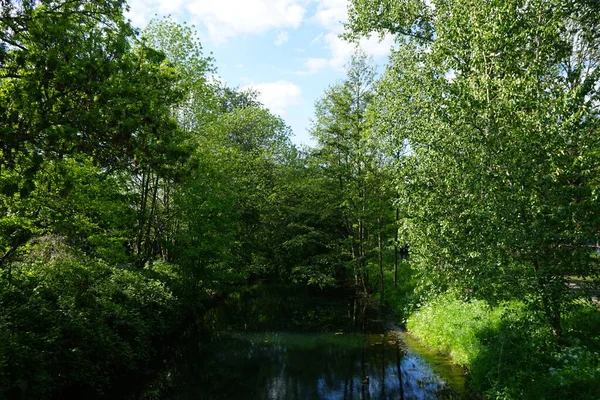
[(71, 83), (171, 157), (342, 130), (499, 105), (73, 88)]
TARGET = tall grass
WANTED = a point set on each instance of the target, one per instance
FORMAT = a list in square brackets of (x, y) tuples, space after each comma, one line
[(509, 351)]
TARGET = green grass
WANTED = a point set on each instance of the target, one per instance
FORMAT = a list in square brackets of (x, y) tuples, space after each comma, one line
[(509, 351), (451, 326)]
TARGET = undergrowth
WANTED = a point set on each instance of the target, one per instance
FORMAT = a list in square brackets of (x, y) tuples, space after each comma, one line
[(74, 323), (509, 351)]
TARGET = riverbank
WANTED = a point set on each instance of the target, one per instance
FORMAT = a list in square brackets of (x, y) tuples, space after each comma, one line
[(508, 351)]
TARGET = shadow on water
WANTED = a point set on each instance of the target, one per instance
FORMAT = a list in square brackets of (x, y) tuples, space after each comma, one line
[(275, 342)]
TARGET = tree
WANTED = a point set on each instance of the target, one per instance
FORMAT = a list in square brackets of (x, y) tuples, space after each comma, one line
[(182, 49), (71, 83), (73, 87), (171, 156), (499, 105), (342, 131)]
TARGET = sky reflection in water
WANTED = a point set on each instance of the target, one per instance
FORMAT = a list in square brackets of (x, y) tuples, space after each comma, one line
[(282, 345)]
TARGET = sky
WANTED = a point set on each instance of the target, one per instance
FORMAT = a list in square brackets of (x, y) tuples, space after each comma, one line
[(288, 50)]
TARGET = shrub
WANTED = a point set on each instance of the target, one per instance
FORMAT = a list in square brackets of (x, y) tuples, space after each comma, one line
[(76, 322)]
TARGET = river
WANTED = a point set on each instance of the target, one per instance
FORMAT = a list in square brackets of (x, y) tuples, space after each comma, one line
[(282, 342)]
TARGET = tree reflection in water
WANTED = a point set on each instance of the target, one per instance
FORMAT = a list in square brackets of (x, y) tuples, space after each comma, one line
[(277, 343)]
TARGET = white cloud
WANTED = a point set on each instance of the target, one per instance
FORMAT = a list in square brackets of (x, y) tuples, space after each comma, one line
[(281, 38), (277, 96), (317, 39), (377, 47), (225, 19), (340, 52), (139, 13), (314, 65), (330, 14)]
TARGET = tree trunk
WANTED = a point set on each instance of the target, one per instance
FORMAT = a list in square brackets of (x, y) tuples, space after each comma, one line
[(396, 250), (380, 258), (142, 213), (551, 302)]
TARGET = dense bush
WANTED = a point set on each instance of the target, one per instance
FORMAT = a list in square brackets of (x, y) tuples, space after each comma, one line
[(401, 297), (75, 323)]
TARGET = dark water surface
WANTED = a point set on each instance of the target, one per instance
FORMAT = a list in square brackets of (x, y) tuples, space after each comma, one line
[(276, 342)]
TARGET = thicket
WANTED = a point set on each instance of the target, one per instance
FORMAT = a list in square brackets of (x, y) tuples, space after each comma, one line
[(73, 324), (133, 191)]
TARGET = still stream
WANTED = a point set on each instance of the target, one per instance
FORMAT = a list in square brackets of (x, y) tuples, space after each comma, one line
[(281, 342)]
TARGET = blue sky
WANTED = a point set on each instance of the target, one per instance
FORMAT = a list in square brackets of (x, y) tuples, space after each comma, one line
[(288, 50)]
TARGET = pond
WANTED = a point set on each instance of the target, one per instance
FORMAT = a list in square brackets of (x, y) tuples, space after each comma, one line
[(281, 342)]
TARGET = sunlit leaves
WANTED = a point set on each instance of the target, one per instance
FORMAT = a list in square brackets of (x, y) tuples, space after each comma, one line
[(498, 111)]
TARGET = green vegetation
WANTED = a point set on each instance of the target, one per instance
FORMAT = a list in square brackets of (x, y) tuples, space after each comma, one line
[(508, 350), (135, 190), (495, 105), (76, 323)]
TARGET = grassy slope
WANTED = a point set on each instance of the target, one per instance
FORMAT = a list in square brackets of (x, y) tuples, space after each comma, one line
[(508, 350)]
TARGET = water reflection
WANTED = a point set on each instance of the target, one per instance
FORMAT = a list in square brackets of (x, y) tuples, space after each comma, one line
[(279, 344)]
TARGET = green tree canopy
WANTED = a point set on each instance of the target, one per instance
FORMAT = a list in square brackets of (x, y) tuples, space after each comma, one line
[(498, 104)]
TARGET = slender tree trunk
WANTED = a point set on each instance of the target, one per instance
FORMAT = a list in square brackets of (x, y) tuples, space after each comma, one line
[(355, 261), (148, 240), (142, 212), (553, 314), (380, 258), (361, 247), (396, 250), (167, 228), (550, 303)]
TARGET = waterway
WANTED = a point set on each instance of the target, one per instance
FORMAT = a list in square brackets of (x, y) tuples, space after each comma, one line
[(282, 342)]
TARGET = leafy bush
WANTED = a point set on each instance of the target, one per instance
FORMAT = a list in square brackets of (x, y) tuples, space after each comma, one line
[(76, 323), (401, 298)]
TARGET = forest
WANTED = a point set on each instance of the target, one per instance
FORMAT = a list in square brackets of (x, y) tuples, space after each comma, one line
[(459, 188)]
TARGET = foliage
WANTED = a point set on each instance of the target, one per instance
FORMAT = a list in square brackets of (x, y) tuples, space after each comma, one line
[(498, 106), (401, 297), (71, 83), (353, 167), (508, 349), (70, 322), (308, 243)]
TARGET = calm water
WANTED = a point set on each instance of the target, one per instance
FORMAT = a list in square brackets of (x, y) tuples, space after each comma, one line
[(273, 342)]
